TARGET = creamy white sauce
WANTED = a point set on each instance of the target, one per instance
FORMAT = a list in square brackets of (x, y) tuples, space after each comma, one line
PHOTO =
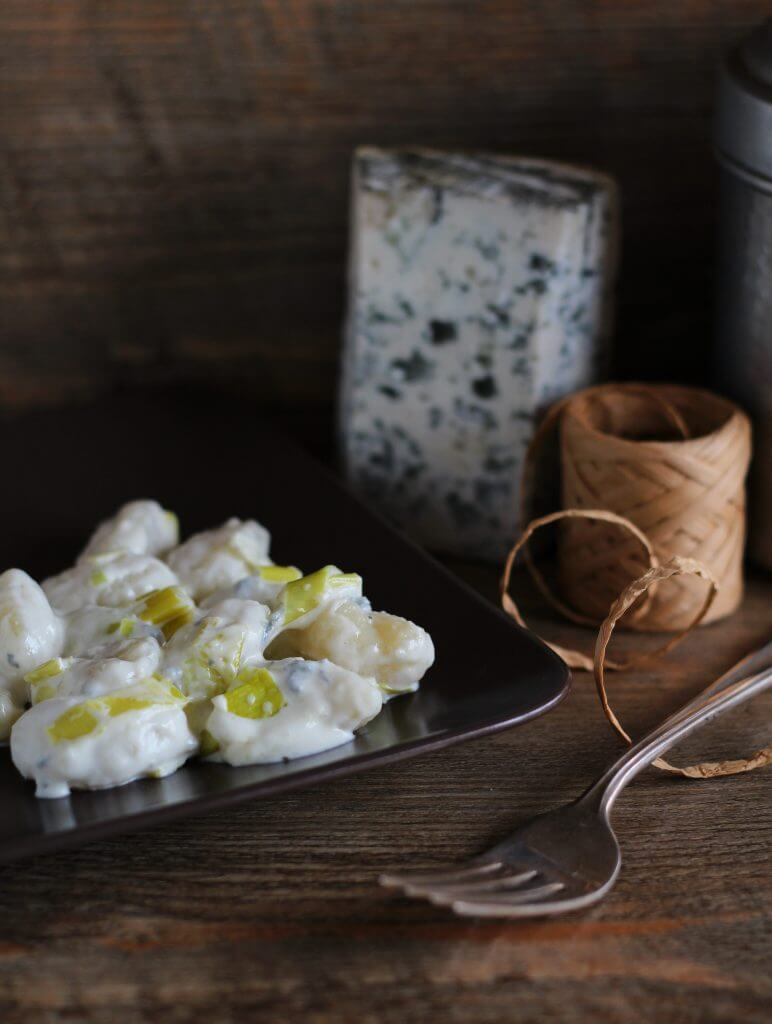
[(90, 631), (113, 580), (119, 665), (123, 675), (261, 586)]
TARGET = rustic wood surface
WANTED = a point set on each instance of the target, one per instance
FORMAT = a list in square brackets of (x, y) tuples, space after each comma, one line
[(271, 912), (174, 174)]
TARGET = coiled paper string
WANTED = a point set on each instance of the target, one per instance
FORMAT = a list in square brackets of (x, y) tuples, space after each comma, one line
[(635, 597)]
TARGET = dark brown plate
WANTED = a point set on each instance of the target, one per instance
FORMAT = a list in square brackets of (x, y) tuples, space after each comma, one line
[(69, 469)]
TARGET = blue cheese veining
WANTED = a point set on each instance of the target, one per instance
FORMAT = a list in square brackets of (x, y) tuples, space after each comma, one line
[(479, 293)]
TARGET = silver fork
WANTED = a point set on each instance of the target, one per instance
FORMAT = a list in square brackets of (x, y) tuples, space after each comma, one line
[(569, 858)]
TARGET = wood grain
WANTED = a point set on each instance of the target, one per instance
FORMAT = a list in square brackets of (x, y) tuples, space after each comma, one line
[(173, 188), (271, 912)]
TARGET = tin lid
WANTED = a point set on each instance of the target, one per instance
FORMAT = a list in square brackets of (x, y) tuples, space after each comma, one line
[(743, 124)]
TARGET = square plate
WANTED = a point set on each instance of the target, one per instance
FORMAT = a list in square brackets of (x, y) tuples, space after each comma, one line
[(489, 673)]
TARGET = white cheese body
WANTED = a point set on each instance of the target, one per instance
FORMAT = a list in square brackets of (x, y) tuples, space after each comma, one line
[(479, 292)]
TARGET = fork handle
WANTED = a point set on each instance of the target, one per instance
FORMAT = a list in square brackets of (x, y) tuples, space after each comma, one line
[(709, 705)]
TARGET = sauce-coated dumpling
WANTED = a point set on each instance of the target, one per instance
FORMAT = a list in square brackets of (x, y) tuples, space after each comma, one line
[(205, 657), (139, 528), (112, 580), (30, 633), (287, 709), (393, 650), (68, 742), (219, 558), (120, 664)]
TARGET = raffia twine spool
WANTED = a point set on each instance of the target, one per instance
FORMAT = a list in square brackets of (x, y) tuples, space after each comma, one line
[(673, 460), (635, 500)]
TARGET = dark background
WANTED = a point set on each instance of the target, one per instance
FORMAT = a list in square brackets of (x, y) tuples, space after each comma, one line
[(173, 199)]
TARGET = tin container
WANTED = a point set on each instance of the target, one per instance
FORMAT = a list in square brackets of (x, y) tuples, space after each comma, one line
[(743, 145)]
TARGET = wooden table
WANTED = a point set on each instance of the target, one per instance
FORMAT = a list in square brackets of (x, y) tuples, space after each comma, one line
[(271, 911)]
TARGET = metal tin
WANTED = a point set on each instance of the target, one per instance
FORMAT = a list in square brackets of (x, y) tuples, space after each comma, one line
[(743, 141)]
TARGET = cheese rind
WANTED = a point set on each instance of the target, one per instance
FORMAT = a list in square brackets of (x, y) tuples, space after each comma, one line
[(479, 292)]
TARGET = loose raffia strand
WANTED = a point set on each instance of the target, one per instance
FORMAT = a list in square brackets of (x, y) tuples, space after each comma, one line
[(676, 566), (572, 657)]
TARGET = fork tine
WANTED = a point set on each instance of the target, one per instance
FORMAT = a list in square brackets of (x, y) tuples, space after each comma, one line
[(403, 879), (479, 885), (542, 908), (535, 892), (447, 897), (524, 902)]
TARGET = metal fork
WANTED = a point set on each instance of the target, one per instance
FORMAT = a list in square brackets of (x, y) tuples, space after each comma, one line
[(569, 858)]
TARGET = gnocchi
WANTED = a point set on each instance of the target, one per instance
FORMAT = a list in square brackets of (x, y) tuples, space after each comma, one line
[(147, 652)]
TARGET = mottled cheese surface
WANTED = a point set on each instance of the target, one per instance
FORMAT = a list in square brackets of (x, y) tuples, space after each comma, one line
[(479, 293)]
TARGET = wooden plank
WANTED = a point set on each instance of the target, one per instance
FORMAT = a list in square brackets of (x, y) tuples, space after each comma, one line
[(173, 190)]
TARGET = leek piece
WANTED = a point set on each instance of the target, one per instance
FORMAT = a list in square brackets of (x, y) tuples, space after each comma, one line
[(170, 609), (303, 595), (279, 573), (256, 696), (120, 705), (43, 691), (75, 722), (125, 627), (47, 670)]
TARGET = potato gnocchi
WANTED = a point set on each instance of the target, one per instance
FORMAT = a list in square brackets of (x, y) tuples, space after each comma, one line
[(148, 652)]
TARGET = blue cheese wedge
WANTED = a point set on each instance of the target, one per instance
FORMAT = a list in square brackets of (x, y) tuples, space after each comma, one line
[(479, 292)]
